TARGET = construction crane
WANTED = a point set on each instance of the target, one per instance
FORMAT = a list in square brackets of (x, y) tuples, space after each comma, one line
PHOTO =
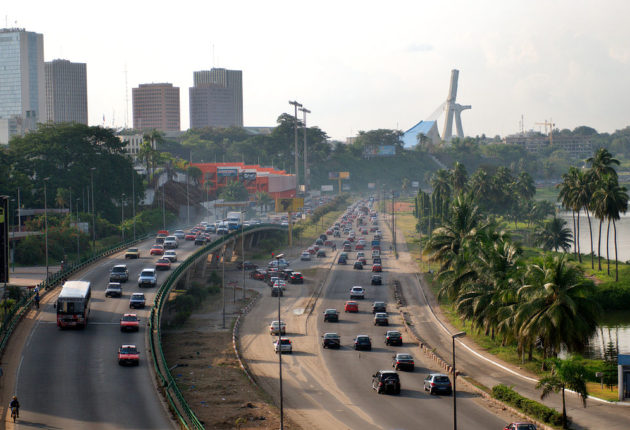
[(548, 124)]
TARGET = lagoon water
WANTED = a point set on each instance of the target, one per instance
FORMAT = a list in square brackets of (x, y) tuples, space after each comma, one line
[(615, 326)]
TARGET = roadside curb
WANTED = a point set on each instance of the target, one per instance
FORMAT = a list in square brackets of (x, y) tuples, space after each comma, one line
[(235, 338)]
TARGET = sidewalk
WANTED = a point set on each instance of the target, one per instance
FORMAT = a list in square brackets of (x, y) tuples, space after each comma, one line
[(29, 276), (486, 368)]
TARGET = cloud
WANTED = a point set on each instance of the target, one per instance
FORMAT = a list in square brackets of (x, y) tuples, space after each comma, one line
[(419, 47)]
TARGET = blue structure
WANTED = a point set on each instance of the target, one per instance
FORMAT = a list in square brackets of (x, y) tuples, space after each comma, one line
[(428, 128)]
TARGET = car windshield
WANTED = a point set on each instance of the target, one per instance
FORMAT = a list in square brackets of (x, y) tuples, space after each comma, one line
[(331, 336), (114, 287), (441, 379), (381, 315), (129, 318), (118, 269), (331, 311), (404, 357), (128, 350), (132, 250), (393, 334), (137, 297), (391, 376), (147, 273)]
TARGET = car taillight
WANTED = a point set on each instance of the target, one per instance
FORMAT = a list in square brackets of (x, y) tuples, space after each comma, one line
[(433, 384), (380, 384)]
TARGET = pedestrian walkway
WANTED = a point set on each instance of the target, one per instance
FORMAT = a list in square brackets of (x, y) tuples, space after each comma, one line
[(29, 276)]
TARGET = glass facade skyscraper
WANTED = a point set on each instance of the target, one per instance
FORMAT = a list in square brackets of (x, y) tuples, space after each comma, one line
[(22, 82)]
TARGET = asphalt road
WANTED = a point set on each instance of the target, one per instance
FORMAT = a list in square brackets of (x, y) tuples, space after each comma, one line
[(70, 379), (332, 388)]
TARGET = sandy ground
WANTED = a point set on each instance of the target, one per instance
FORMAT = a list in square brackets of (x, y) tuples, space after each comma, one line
[(209, 375)]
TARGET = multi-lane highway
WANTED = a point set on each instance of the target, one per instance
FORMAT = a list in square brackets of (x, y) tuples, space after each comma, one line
[(332, 388), (71, 378)]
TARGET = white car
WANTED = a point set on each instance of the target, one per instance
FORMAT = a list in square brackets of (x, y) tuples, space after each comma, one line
[(280, 283), (360, 254), (170, 242), (357, 293), (285, 345), (273, 327), (179, 234), (171, 255), (306, 256)]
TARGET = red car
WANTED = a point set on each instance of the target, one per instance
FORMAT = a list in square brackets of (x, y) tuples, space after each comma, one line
[(329, 232), (328, 243), (258, 275), (376, 247), (157, 250), (359, 247), (128, 354), (190, 236), (350, 239), (163, 264), (377, 268), (351, 306), (129, 322)]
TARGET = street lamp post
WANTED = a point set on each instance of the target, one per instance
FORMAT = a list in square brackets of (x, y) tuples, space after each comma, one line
[(164, 206), (243, 248), (122, 216), (46, 228), (133, 201), (78, 232), (93, 210), (455, 336), (306, 172), (278, 257), (223, 279), (296, 105)]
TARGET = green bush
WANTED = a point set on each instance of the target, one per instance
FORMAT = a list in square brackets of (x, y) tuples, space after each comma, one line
[(527, 406), (613, 296)]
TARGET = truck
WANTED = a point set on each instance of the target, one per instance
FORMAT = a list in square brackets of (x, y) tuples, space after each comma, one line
[(234, 220)]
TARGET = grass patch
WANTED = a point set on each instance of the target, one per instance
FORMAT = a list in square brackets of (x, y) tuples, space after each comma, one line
[(549, 193), (595, 389)]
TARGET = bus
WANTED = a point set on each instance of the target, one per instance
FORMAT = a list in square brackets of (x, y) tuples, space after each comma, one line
[(73, 304)]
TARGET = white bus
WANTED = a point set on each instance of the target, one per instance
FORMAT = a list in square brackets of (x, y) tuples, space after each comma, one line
[(73, 304)]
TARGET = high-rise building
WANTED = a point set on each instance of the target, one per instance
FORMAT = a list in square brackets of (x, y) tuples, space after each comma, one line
[(216, 99), (156, 106), (22, 82), (66, 92)]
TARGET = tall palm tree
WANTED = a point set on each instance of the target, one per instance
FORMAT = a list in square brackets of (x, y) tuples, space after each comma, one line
[(567, 198), (602, 163), (441, 190), (459, 177), (567, 374), (582, 196), (612, 199), (480, 185), (557, 305), (554, 235)]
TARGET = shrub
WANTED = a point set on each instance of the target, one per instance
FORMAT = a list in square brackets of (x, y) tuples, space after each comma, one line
[(527, 406)]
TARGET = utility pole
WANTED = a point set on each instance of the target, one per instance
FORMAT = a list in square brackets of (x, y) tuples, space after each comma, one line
[(307, 181), (394, 222), (133, 202), (296, 105), (93, 210)]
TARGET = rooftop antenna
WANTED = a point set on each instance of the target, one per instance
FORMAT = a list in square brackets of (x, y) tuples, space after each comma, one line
[(126, 99)]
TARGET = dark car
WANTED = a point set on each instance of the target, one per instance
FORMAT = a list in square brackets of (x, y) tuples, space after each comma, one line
[(403, 362), (376, 260), (357, 265), (276, 291), (379, 307), (520, 426), (342, 260), (376, 280), (363, 341), (393, 337), (331, 315), (319, 242), (248, 265), (437, 383), (381, 318), (296, 278), (386, 381), (331, 340), (323, 237), (200, 240), (119, 273)]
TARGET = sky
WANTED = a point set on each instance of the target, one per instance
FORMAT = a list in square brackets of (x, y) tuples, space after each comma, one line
[(356, 65)]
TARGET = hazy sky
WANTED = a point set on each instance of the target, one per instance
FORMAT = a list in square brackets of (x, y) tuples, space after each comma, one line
[(357, 65)]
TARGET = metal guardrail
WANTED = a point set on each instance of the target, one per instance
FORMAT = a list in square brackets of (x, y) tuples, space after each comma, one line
[(186, 416), (18, 310)]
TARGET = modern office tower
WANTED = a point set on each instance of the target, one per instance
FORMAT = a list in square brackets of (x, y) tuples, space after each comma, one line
[(156, 106), (216, 99), (22, 82), (66, 92)]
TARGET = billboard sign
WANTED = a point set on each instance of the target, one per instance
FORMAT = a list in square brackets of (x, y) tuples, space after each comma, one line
[(289, 204), (4, 239), (386, 150), (333, 176), (223, 172), (345, 187), (371, 185), (248, 176), (415, 184), (344, 175), (327, 188)]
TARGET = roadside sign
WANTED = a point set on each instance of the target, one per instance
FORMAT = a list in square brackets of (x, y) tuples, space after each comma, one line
[(289, 204)]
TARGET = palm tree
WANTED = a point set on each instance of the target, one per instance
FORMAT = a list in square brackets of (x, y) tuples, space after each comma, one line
[(557, 306), (612, 199), (567, 197), (564, 374), (447, 242), (582, 196), (459, 177), (554, 235), (441, 190), (602, 163), (480, 185)]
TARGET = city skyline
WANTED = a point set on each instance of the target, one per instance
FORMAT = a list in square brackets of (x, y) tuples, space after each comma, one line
[(362, 67)]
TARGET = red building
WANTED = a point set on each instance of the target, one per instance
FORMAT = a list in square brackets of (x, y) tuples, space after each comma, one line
[(276, 183)]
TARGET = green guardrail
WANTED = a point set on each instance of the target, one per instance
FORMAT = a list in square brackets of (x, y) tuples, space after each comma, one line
[(186, 417)]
